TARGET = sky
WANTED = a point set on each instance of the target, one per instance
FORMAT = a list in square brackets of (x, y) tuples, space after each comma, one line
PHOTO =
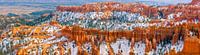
[(57, 1)]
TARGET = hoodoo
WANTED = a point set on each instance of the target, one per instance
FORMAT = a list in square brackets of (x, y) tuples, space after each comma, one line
[(109, 28)]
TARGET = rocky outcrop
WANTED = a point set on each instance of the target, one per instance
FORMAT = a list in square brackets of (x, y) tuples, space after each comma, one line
[(195, 2), (110, 29), (177, 12), (173, 39)]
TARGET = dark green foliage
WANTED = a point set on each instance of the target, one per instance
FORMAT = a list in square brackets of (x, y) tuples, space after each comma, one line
[(39, 13), (35, 21), (11, 14)]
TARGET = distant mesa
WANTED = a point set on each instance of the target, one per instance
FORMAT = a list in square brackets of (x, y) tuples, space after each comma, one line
[(102, 6)]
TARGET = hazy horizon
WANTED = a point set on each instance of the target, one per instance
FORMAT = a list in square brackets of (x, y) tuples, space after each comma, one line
[(19, 7), (90, 1)]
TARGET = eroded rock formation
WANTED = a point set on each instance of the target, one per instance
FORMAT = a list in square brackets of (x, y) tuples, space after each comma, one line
[(110, 28), (195, 2)]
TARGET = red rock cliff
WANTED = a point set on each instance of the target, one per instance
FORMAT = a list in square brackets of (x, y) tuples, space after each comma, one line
[(195, 2)]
